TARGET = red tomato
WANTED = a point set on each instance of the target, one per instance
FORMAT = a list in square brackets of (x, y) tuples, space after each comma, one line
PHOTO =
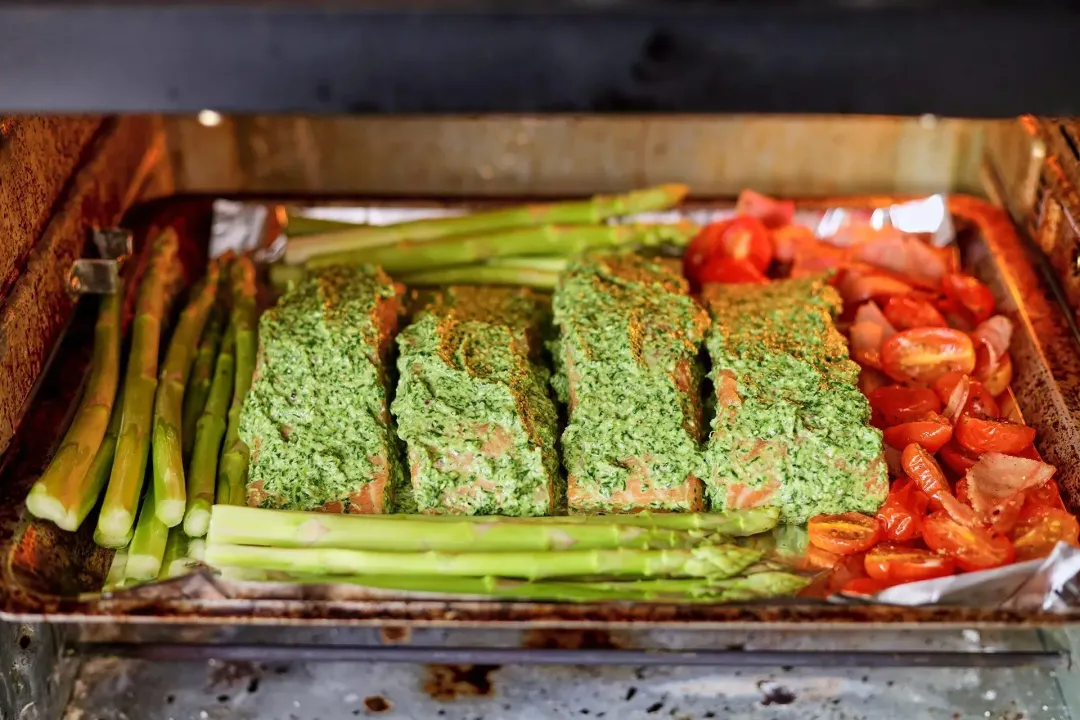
[(898, 404), (1002, 518), (772, 212), (741, 238), (925, 354), (979, 401), (971, 547), (921, 467), (1035, 536), (818, 559), (896, 563), (981, 435), (1043, 497), (730, 271), (932, 432), (905, 312), (865, 586), (961, 491), (967, 293), (998, 380), (902, 512), (847, 569), (870, 379), (705, 246), (844, 534), (957, 458)]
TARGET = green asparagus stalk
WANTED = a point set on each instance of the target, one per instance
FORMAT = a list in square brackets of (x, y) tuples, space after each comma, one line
[(597, 209), (68, 488), (233, 466), (733, 523), (133, 444), (704, 561), (181, 554), (404, 257), (170, 489), (147, 547), (202, 374), (298, 225), (241, 525), (115, 579), (98, 474), (202, 473), (707, 590)]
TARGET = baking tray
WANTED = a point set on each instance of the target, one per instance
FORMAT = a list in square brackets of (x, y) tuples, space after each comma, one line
[(53, 576)]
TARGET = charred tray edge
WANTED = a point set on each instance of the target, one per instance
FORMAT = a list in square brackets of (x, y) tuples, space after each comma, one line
[(1047, 386)]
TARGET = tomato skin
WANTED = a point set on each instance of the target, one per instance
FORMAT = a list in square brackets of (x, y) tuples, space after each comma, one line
[(1036, 535), (923, 355), (905, 312), (997, 381), (981, 435), (819, 559), (899, 404), (971, 547), (957, 458), (967, 293), (932, 432), (742, 238), (921, 467), (865, 586), (731, 271), (896, 563), (902, 512), (844, 534), (979, 400), (1044, 497)]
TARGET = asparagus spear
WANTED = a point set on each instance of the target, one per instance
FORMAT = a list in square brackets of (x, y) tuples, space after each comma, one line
[(115, 578), (147, 547), (241, 525), (68, 488), (169, 487), (202, 475), (233, 466), (704, 561), (202, 374), (133, 444), (405, 256), (488, 274), (733, 523), (594, 210), (707, 590), (181, 554), (297, 225)]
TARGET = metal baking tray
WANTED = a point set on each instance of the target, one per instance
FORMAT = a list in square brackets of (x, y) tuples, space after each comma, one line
[(51, 575)]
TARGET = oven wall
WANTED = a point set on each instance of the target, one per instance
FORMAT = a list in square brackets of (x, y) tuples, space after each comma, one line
[(564, 155)]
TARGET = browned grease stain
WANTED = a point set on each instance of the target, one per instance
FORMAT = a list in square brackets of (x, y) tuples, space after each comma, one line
[(450, 682), (377, 704), (571, 640), (393, 635)]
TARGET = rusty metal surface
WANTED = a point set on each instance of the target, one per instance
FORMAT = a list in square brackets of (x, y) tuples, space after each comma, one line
[(118, 161), (52, 575)]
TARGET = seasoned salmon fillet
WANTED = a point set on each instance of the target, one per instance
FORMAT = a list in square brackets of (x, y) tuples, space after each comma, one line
[(473, 405), (317, 418), (791, 428), (626, 354)]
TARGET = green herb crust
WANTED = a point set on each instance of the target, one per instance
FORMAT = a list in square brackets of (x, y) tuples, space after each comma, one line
[(791, 428), (626, 356), (472, 404), (316, 418)]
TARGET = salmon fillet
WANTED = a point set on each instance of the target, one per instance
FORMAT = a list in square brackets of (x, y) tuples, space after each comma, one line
[(473, 406), (316, 418), (626, 357), (791, 428)]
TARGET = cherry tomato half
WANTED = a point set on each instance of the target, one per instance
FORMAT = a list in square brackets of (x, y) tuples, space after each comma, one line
[(1044, 497), (905, 312), (921, 467), (998, 380), (819, 559), (896, 563), (981, 435), (731, 271), (971, 547), (924, 354), (979, 400), (898, 404), (1035, 536), (967, 293), (741, 238), (932, 431), (844, 534), (957, 458), (902, 512)]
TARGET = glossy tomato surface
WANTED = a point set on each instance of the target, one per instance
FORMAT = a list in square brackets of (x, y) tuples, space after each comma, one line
[(923, 355)]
